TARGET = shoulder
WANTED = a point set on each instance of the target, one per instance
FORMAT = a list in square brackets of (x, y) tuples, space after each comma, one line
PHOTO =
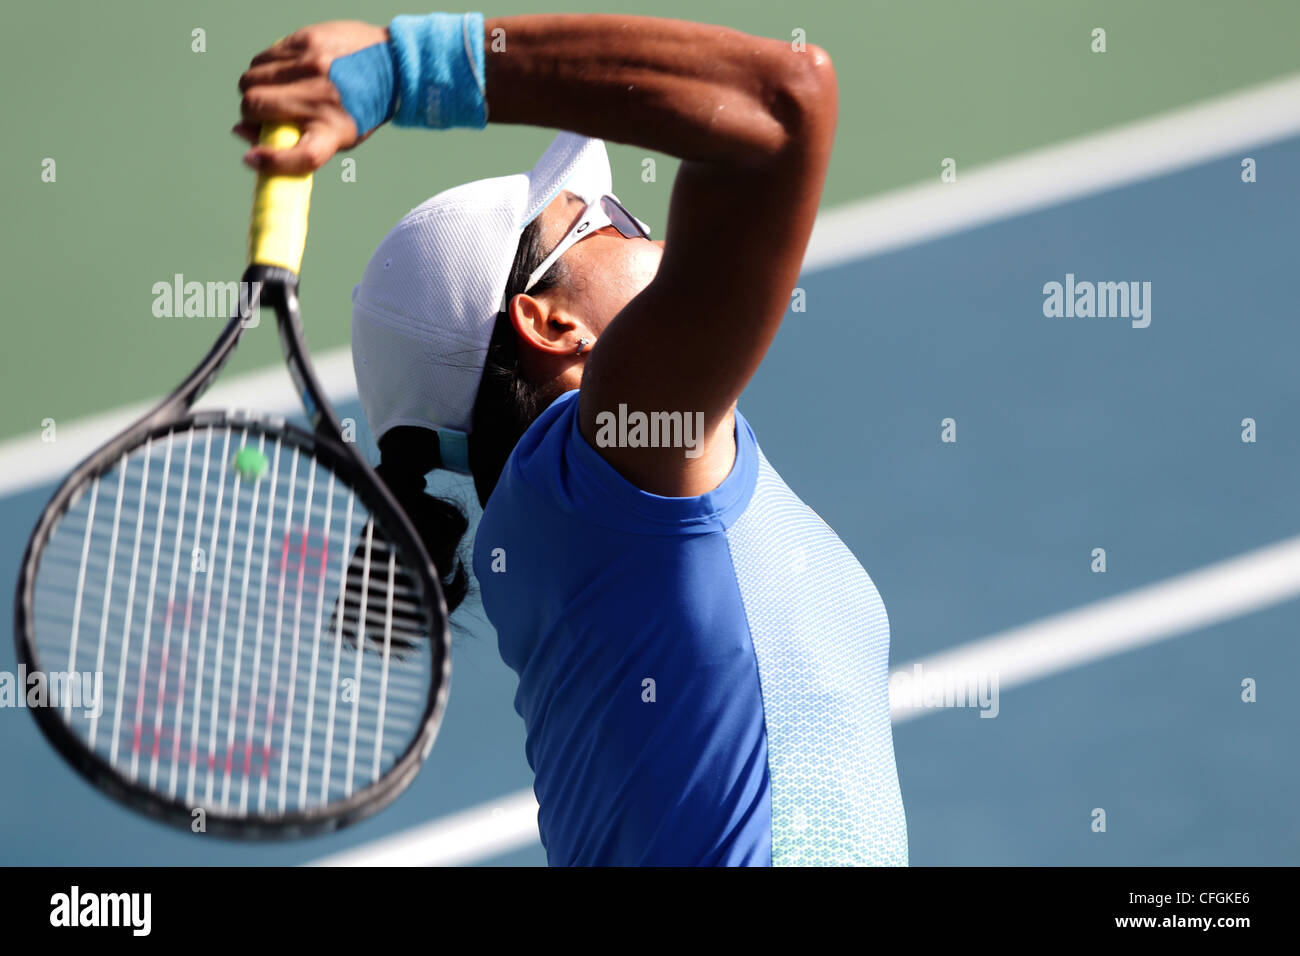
[(555, 468)]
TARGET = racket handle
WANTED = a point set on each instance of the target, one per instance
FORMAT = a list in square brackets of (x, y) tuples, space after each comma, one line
[(277, 232)]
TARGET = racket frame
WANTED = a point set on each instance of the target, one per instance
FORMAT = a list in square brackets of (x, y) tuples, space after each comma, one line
[(277, 288)]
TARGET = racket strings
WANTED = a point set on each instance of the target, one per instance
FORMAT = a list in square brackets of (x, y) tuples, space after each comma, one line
[(257, 645)]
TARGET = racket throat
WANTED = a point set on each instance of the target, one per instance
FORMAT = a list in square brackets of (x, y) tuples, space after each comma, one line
[(277, 289)]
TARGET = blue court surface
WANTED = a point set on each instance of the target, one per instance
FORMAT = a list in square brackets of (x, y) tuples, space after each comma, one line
[(1072, 434)]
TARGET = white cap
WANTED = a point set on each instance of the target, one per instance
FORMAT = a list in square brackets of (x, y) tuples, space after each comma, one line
[(424, 311)]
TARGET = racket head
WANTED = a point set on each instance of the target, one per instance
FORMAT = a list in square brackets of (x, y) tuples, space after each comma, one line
[(158, 745)]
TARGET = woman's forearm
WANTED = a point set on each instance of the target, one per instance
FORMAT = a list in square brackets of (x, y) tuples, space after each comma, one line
[(698, 92)]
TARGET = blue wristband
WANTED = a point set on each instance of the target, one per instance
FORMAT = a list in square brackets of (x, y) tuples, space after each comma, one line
[(366, 86), (439, 67)]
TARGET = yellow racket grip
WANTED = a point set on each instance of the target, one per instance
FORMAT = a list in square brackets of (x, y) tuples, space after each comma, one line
[(277, 232)]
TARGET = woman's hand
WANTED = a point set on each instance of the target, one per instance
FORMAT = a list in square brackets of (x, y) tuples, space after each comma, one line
[(290, 83)]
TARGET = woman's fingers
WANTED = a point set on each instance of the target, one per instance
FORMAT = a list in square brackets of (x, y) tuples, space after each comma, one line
[(280, 71), (311, 100), (318, 142), (285, 49), (290, 83)]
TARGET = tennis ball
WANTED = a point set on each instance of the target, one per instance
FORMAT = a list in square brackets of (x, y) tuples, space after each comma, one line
[(250, 463)]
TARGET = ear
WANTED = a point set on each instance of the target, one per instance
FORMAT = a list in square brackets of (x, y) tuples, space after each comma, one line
[(542, 324)]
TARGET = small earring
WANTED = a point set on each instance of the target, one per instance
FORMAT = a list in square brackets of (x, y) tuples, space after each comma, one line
[(582, 344)]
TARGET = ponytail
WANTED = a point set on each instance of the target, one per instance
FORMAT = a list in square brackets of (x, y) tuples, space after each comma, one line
[(406, 455)]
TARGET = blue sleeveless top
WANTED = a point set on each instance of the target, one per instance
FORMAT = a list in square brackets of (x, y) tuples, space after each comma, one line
[(703, 681)]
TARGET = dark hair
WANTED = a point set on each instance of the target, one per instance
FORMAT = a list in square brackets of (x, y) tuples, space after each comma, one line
[(506, 404)]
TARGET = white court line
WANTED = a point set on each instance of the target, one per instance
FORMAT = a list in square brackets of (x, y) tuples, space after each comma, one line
[(479, 833), (1125, 154), (895, 219), (1177, 605)]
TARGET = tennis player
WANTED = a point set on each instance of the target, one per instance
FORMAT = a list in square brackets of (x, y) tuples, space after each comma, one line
[(702, 663)]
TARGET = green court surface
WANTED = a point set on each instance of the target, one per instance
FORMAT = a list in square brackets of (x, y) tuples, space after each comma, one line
[(148, 181)]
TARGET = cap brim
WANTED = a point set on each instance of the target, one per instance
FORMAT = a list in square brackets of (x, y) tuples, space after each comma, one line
[(577, 163)]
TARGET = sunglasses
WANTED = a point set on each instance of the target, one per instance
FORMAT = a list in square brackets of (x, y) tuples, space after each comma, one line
[(605, 211)]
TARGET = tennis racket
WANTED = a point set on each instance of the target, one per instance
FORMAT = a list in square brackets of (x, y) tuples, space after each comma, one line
[(267, 632)]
